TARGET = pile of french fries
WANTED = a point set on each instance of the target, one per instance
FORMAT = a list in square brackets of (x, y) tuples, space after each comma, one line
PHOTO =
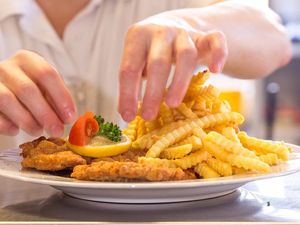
[(202, 134)]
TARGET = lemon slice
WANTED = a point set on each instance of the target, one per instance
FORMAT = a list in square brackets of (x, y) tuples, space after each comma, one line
[(106, 150)]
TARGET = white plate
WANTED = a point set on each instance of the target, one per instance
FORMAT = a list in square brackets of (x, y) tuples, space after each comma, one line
[(141, 192)]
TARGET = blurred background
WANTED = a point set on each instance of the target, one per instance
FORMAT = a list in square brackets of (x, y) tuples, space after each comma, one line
[(287, 117), (272, 105)]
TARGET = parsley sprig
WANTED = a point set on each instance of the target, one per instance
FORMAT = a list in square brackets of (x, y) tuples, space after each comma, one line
[(108, 130)]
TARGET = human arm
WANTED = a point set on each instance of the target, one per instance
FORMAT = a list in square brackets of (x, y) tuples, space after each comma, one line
[(257, 42), (248, 42)]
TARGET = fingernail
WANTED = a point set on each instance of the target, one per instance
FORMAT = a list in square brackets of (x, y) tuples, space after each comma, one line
[(69, 115), (56, 130), (148, 114), (128, 115), (218, 68)]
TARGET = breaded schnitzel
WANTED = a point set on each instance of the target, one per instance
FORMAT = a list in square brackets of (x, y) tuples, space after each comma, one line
[(49, 154), (124, 171)]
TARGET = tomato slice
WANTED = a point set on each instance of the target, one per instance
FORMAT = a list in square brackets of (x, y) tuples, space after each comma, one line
[(85, 127)]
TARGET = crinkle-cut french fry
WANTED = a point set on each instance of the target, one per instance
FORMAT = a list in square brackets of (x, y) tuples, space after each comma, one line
[(192, 160), (217, 106), (228, 145), (236, 160), (155, 137), (264, 146), (152, 125), (194, 140), (183, 131), (196, 82), (221, 167), (229, 133), (177, 115), (200, 78), (187, 112), (170, 138), (270, 158), (209, 92), (219, 119), (131, 130), (190, 104), (176, 152), (209, 106), (220, 106), (202, 113), (199, 105), (216, 128), (258, 153), (141, 129), (147, 140), (161, 132), (165, 114), (237, 170), (199, 132), (157, 162), (206, 171)]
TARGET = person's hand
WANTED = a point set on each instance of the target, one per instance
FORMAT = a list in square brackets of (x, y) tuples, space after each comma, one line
[(151, 46), (33, 96)]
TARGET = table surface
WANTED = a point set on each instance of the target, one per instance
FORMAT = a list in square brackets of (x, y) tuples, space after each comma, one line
[(276, 199)]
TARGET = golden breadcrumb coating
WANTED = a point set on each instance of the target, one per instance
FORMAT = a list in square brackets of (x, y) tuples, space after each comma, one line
[(124, 171), (49, 154), (53, 162)]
